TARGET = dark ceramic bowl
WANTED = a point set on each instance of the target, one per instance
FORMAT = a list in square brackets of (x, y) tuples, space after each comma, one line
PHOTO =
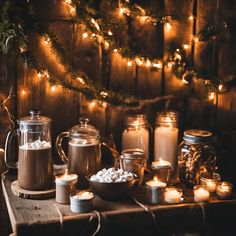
[(111, 191)]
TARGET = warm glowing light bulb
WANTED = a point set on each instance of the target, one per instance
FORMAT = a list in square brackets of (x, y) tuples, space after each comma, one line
[(47, 40), (104, 94), (220, 87), (93, 35), (185, 81), (23, 92), (170, 65), (115, 50), (157, 65), (22, 50), (92, 104), (191, 17), (72, 10), (39, 74), (211, 95), (109, 33), (168, 26), (138, 61), (121, 11), (129, 63), (148, 63), (106, 45), (80, 80), (186, 46), (68, 2), (196, 39), (104, 104), (85, 35), (53, 88)]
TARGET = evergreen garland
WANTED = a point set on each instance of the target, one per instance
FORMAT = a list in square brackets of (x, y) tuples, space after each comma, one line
[(18, 19)]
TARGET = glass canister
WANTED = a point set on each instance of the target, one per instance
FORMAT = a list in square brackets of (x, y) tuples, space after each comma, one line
[(166, 138), (196, 156), (134, 161), (136, 133), (35, 167), (84, 151)]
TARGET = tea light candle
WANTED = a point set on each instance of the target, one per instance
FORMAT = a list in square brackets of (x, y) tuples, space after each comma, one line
[(154, 190), (81, 202), (224, 190), (210, 182), (201, 193), (65, 185), (173, 195)]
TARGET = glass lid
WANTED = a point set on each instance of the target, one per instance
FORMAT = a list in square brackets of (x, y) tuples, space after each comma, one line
[(34, 118), (83, 130)]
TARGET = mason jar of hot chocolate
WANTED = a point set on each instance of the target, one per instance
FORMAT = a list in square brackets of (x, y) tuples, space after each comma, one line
[(84, 152), (35, 165)]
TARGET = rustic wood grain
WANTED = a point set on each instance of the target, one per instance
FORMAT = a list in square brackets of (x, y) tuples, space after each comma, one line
[(44, 216)]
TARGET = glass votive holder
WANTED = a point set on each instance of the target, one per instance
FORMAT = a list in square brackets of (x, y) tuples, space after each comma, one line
[(162, 170), (210, 181), (154, 191), (224, 190), (201, 193), (173, 195), (65, 186), (81, 201)]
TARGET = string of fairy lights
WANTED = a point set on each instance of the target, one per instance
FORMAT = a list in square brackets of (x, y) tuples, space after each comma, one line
[(103, 33)]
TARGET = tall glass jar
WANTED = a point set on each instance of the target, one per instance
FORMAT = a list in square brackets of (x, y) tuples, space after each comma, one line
[(196, 156), (136, 134), (166, 138)]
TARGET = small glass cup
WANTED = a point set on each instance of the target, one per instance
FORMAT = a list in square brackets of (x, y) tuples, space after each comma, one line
[(162, 170), (224, 190), (210, 181)]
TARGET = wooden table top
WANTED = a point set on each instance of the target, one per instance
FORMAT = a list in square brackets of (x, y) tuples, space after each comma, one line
[(46, 217)]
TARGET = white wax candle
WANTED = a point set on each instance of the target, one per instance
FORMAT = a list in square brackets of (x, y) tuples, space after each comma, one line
[(165, 144), (155, 184), (83, 195), (201, 195), (173, 196), (66, 178), (136, 138)]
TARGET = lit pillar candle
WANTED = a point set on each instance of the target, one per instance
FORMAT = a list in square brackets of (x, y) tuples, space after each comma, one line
[(65, 186), (154, 191), (201, 194), (81, 202), (224, 190), (136, 134), (173, 195), (166, 138)]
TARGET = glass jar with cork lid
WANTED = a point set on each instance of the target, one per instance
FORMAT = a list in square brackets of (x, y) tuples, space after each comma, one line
[(196, 156)]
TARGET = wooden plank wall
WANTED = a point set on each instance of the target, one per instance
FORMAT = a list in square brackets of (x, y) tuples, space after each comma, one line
[(107, 67)]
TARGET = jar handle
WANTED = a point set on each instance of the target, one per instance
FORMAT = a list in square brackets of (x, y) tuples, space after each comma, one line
[(59, 148), (10, 135)]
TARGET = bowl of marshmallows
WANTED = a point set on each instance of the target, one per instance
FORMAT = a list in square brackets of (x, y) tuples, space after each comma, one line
[(110, 184)]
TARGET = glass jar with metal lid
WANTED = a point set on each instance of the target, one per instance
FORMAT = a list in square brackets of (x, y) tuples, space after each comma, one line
[(196, 156)]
